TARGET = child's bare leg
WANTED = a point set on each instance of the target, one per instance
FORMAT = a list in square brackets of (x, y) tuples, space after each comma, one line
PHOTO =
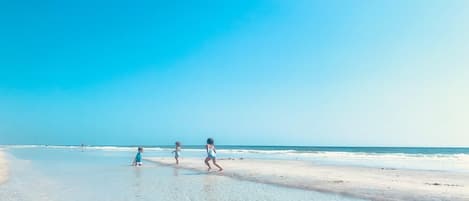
[(177, 160), (216, 164), (206, 163)]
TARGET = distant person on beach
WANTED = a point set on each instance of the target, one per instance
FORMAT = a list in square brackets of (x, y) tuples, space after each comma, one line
[(211, 154), (138, 158), (177, 152)]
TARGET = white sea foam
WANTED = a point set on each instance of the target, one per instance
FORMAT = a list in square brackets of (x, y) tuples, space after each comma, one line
[(103, 148), (354, 155), (252, 151), (443, 162), (23, 146), (115, 148)]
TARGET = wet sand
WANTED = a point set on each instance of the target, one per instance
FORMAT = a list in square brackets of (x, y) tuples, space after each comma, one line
[(3, 168), (385, 184)]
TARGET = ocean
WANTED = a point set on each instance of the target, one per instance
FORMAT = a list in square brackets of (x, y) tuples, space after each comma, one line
[(418, 158)]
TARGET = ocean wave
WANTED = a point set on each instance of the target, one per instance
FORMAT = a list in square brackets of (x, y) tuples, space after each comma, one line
[(23, 146), (253, 151), (336, 154), (364, 155), (103, 148), (115, 148), (290, 153)]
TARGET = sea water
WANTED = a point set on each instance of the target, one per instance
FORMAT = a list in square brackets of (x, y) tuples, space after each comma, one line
[(39, 173), (415, 158)]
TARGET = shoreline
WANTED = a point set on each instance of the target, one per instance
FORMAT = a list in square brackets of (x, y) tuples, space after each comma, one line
[(3, 168), (386, 184)]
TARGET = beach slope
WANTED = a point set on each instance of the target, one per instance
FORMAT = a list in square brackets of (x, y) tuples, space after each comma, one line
[(3, 168), (361, 182)]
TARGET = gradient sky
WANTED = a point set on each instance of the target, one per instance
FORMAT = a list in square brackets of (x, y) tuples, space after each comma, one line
[(250, 72)]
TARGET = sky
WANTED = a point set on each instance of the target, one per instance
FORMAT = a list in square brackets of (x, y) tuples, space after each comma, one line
[(245, 72)]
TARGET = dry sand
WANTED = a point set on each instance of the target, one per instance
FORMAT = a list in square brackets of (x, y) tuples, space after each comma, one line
[(3, 168), (361, 182)]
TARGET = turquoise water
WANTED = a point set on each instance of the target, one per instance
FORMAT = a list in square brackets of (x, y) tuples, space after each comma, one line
[(68, 174), (306, 149), (439, 159)]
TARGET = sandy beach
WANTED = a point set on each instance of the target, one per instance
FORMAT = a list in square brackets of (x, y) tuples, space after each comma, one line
[(3, 168), (362, 182)]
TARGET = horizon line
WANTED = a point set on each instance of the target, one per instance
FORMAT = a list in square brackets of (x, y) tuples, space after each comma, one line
[(318, 146)]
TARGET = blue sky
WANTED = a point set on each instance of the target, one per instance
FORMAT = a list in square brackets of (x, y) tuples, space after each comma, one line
[(345, 73)]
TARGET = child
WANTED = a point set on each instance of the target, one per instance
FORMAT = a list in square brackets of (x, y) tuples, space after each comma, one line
[(177, 152), (211, 154), (138, 158)]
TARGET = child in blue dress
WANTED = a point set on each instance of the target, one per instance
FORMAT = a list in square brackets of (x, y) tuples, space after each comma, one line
[(211, 154)]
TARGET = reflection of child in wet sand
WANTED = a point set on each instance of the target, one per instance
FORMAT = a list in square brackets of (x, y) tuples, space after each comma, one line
[(138, 158), (211, 154), (177, 152)]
